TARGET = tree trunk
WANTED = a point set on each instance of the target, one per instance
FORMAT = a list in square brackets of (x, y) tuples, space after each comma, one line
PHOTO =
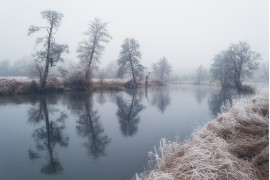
[(132, 69), (87, 73), (133, 75), (146, 79), (46, 71), (44, 78)]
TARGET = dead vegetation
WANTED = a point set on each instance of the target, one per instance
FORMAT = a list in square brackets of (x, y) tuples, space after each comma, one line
[(10, 87), (235, 145)]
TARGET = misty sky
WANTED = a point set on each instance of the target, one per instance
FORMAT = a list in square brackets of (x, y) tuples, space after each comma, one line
[(187, 32)]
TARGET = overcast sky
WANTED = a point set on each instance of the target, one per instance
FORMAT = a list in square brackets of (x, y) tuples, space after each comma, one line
[(187, 32)]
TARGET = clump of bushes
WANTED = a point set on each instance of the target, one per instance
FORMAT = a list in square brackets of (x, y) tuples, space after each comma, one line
[(8, 87), (247, 89), (106, 85), (76, 81), (54, 85)]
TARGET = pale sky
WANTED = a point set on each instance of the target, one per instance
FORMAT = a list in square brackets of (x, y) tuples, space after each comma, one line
[(187, 32)]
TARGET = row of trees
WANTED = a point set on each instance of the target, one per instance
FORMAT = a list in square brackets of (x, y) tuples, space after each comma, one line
[(230, 66), (89, 52)]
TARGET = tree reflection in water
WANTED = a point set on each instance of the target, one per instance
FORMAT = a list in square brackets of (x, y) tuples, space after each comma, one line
[(217, 99), (128, 112), (88, 124), (101, 98), (47, 136), (200, 93), (161, 98)]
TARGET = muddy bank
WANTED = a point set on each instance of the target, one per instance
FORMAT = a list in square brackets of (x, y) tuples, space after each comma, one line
[(235, 145)]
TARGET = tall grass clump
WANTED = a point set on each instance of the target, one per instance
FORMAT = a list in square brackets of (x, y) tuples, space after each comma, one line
[(233, 146)]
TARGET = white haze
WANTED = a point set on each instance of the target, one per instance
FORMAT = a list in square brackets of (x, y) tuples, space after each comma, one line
[(187, 32)]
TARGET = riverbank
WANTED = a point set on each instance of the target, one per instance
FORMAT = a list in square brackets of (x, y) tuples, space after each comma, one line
[(18, 86), (235, 145)]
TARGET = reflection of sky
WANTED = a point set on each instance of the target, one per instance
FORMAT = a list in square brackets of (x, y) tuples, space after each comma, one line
[(124, 155)]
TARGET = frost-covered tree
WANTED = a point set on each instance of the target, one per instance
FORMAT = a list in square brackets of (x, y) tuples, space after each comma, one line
[(91, 48), (50, 51), (129, 61), (162, 69), (243, 61), (232, 66)]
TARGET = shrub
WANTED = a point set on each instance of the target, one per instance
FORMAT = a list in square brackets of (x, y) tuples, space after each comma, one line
[(76, 81), (54, 85)]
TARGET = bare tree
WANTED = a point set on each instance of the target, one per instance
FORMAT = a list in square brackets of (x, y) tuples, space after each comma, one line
[(162, 69), (232, 66), (201, 74), (101, 76), (243, 61), (50, 51), (90, 49), (129, 61), (4, 68), (35, 70)]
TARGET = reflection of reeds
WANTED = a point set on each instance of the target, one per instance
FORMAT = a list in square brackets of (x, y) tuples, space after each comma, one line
[(232, 146)]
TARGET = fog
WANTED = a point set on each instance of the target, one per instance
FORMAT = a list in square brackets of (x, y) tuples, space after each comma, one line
[(188, 32)]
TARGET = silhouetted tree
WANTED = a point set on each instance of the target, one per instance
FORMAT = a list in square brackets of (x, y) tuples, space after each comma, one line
[(5, 68), (201, 74), (238, 61), (220, 70), (129, 61), (101, 76), (50, 52), (162, 69), (90, 49)]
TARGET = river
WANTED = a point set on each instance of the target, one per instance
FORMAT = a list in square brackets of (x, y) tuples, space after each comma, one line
[(100, 135)]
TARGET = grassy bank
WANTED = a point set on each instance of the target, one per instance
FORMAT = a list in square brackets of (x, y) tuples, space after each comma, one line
[(235, 145), (13, 86)]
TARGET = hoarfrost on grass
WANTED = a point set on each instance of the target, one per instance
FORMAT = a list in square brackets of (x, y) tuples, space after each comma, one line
[(220, 149)]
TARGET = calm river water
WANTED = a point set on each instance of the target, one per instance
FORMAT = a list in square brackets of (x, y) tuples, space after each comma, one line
[(104, 135)]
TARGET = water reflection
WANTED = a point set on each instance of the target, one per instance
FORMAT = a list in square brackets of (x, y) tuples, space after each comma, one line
[(161, 98), (88, 124), (217, 99), (101, 98), (87, 116), (200, 93), (48, 135), (128, 112)]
